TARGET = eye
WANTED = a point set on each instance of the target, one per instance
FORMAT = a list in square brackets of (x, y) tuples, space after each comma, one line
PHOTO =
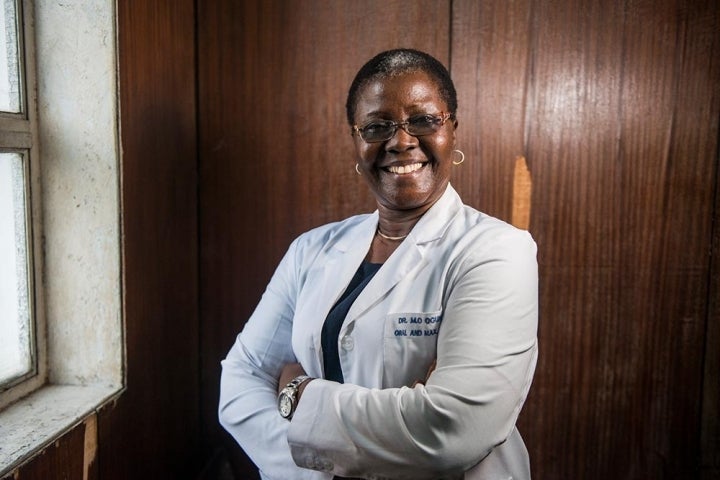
[(373, 128), (424, 121)]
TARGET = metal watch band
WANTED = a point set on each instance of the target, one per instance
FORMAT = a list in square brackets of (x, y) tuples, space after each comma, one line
[(295, 382), (287, 400)]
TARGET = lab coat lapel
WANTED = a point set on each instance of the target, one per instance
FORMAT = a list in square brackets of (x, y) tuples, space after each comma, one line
[(410, 256), (401, 263), (343, 257)]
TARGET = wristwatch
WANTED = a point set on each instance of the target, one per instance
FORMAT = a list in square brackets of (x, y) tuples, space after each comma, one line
[(287, 400)]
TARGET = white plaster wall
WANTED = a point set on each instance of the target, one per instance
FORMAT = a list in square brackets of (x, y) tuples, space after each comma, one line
[(77, 109)]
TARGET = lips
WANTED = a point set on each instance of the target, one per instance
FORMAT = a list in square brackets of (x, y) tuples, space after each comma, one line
[(403, 169)]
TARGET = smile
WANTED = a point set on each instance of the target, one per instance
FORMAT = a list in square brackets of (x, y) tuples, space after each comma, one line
[(403, 169)]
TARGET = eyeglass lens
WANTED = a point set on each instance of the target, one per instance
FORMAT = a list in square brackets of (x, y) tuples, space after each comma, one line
[(416, 126)]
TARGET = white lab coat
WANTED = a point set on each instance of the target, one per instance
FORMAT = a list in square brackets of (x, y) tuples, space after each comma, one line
[(462, 288)]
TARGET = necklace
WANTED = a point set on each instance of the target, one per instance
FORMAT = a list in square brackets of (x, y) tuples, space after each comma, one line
[(388, 237)]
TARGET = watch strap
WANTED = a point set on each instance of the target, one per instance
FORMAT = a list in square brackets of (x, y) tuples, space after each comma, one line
[(291, 391), (297, 381)]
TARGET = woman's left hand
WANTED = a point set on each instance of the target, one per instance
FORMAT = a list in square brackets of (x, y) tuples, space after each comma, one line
[(290, 371)]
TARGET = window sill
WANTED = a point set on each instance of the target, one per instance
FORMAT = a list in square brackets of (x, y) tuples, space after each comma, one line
[(39, 419)]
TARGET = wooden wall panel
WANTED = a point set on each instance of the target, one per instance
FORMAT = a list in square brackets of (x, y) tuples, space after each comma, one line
[(710, 423), (153, 429), (276, 151), (489, 65), (619, 125), (63, 459), (710, 420)]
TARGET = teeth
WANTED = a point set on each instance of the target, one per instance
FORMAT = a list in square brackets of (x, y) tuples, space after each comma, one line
[(405, 168)]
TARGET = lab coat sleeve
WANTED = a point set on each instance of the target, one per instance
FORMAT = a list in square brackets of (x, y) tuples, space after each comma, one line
[(248, 385), (487, 350)]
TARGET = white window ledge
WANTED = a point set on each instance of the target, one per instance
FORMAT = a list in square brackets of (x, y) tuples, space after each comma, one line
[(36, 421)]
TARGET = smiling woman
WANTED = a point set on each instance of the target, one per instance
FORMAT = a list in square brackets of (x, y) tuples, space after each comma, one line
[(408, 160), (401, 343)]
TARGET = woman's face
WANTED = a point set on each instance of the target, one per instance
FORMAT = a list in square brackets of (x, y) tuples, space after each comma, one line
[(404, 172)]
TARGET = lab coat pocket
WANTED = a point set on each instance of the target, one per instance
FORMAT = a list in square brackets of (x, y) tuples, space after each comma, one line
[(409, 346)]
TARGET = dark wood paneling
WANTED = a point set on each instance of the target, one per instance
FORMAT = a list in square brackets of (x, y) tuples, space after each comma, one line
[(153, 429), (619, 125), (276, 152), (63, 459), (490, 53), (710, 424)]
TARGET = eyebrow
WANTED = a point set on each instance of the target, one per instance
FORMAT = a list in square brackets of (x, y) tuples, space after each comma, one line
[(420, 109)]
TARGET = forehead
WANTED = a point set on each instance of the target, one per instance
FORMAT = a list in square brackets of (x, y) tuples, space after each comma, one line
[(398, 94)]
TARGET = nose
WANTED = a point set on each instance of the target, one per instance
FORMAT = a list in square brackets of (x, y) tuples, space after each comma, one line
[(401, 140)]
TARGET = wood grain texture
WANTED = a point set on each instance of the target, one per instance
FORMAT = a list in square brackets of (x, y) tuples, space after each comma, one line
[(63, 459), (710, 421), (620, 103), (153, 430), (489, 65), (90, 448)]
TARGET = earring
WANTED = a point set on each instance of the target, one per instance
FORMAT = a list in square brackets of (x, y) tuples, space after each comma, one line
[(462, 157), (357, 169)]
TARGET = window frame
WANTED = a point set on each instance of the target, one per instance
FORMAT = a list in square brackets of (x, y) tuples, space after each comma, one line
[(19, 133)]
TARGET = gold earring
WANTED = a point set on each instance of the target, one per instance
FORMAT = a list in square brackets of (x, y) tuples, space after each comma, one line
[(357, 169), (462, 158)]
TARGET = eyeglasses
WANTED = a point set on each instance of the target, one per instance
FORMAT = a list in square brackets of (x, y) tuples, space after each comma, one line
[(417, 126)]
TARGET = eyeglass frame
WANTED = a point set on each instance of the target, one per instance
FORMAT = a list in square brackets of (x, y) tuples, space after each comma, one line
[(445, 116)]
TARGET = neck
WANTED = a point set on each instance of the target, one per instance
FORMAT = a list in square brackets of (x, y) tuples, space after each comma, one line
[(396, 225), (388, 237)]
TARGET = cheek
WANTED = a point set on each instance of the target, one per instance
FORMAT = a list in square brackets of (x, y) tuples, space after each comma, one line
[(442, 147), (359, 148), (366, 151)]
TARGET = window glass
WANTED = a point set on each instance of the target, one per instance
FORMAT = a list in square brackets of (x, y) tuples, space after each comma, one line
[(16, 339), (10, 91)]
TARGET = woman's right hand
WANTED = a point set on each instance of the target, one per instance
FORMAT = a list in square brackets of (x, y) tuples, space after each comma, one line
[(431, 368)]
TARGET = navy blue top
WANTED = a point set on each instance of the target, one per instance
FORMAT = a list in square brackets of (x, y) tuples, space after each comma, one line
[(334, 320)]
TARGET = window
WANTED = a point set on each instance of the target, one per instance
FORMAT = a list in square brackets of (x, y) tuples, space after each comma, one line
[(58, 111), (10, 92), (16, 342), (19, 320)]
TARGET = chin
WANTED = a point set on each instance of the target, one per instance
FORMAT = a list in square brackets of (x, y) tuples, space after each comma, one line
[(407, 201)]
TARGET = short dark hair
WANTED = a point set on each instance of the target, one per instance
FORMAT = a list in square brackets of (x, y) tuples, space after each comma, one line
[(397, 62)]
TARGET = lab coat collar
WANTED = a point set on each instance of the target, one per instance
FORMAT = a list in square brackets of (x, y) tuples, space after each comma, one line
[(410, 255), (346, 252), (436, 221), (430, 227)]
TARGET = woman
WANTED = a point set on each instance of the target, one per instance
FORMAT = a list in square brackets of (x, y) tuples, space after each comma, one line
[(402, 342)]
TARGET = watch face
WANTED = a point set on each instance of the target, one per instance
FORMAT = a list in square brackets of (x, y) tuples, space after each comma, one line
[(285, 405)]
